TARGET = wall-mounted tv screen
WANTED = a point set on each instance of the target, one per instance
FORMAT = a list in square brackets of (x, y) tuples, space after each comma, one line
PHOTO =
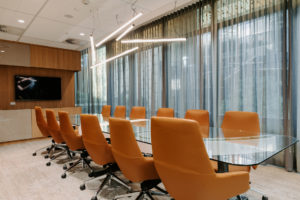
[(37, 88)]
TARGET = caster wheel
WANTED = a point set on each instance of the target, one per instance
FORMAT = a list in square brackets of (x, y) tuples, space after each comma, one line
[(48, 163), (94, 198), (70, 163), (91, 174), (65, 167), (46, 156), (48, 149), (73, 154), (64, 175), (264, 198), (34, 154), (82, 187)]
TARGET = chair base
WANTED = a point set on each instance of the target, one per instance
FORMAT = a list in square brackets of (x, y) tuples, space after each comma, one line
[(63, 150), (83, 159), (240, 197), (146, 187), (109, 172), (47, 148)]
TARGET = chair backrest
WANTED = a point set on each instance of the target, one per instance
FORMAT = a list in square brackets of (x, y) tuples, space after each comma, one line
[(165, 112), (202, 117), (246, 122), (126, 150), (137, 112), (120, 112), (106, 109), (70, 136), (41, 122), (180, 156), (94, 140), (53, 126)]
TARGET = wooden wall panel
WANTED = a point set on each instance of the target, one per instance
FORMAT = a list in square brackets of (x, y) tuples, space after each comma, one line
[(29, 55), (48, 57), (15, 54), (7, 90)]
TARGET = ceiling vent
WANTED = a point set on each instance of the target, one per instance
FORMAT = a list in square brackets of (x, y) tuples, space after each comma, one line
[(11, 30), (75, 41)]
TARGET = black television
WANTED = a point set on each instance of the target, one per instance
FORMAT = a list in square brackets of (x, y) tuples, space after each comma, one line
[(37, 88)]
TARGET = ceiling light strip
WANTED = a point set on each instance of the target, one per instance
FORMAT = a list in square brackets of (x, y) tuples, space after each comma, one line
[(93, 50), (124, 33), (115, 57), (119, 29), (154, 40)]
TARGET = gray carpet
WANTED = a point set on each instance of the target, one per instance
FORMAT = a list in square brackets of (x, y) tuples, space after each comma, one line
[(23, 176)]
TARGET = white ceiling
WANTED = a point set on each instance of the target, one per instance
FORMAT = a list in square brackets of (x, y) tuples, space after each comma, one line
[(46, 24)]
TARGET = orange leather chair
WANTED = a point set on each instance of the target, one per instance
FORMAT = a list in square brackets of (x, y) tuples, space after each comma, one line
[(165, 112), (43, 127), (99, 150), (106, 109), (130, 159), (186, 172), (239, 124), (247, 122), (202, 117), (54, 129), (137, 112), (120, 112), (73, 140)]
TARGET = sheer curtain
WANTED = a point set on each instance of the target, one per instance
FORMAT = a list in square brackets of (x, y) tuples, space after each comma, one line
[(208, 75), (91, 84), (136, 79), (250, 59), (295, 63), (182, 63), (237, 56), (150, 83), (251, 64)]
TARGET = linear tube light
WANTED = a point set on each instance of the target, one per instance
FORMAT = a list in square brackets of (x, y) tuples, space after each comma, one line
[(124, 33), (115, 57), (119, 29), (93, 49), (154, 40)]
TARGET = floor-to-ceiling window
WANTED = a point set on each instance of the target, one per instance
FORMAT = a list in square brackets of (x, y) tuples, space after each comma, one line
[(250, 59), (236, 57), (136, 79), (182, 63), (295, 75), (91, 84)]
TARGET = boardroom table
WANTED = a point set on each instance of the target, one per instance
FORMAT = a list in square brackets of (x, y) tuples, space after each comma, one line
[(226, 147)]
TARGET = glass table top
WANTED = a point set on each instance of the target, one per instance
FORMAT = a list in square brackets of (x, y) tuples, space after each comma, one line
[(223, 145)]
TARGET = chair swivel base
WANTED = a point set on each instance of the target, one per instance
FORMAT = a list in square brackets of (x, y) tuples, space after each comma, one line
[(146, 187), (109, 177), (109, 172), (83, 159)]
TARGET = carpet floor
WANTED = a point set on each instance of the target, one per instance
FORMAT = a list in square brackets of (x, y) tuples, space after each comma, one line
[(25, 177)]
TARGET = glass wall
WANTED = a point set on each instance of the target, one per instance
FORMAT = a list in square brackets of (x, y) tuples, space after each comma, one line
[(250, 59), (236, 57), (91, 84), (136, 79)]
